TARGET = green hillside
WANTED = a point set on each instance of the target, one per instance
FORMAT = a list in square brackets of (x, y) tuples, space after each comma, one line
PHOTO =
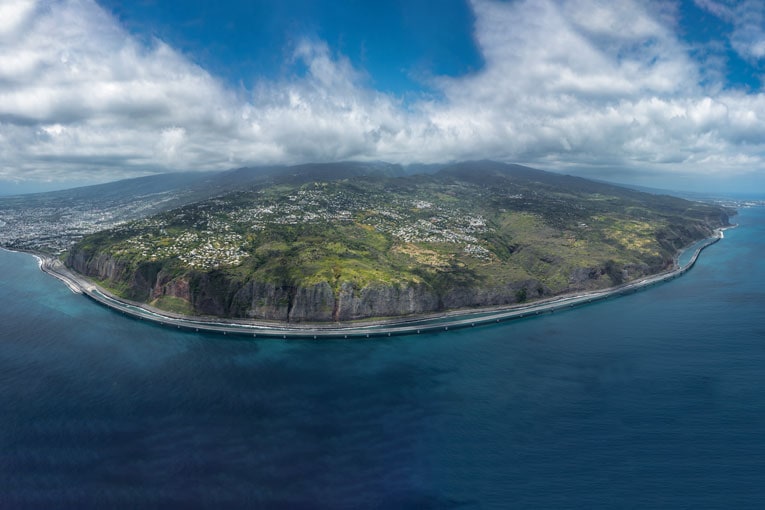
[(473, 234)]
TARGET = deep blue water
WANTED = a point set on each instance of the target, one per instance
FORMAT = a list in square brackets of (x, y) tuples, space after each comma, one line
[(652, 400)]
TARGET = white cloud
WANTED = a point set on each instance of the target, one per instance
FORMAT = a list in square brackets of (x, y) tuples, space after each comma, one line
[(570, 84), (747, 18), (13, 14), (109, 98), (579, 83)]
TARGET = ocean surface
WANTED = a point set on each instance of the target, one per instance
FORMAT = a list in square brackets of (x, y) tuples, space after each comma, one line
[(654, 400)]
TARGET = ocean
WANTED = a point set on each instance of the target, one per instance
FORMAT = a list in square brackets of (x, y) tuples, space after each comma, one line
[(651, 400)]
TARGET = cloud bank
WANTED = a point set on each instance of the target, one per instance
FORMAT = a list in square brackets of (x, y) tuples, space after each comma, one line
[(569, 84)]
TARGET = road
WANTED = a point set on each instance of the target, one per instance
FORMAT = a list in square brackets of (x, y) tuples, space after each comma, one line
[(407, 326)]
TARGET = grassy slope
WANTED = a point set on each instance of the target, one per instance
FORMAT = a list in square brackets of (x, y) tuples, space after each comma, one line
[(538, 226)]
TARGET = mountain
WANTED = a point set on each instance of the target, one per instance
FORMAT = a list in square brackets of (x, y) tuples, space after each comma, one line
[(340, 242)]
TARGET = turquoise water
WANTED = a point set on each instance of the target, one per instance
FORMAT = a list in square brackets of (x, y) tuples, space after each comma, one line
[(687, 254), (650, 400)]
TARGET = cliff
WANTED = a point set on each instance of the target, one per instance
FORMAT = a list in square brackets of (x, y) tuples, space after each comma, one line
[(341, 249), (218, 295)]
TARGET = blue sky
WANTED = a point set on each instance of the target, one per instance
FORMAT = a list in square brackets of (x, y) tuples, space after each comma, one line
[(397, 43), (657, 93)]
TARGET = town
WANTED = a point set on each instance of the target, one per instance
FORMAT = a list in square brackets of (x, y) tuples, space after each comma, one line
[(219, 232), (52, 222)]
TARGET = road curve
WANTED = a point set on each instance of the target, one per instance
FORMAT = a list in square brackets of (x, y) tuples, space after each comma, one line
[(406, 326)]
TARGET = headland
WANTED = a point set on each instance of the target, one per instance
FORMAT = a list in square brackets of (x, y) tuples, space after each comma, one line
[(423, 323)]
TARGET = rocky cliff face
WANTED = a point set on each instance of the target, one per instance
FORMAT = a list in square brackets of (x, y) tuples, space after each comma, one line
[(100, 265), (383, 301), (214, 293)]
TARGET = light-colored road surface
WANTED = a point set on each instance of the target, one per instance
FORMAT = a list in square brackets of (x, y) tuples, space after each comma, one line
[(405, 326)]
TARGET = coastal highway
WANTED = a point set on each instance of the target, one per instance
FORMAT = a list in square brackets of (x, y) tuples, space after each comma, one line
[(405, 326)]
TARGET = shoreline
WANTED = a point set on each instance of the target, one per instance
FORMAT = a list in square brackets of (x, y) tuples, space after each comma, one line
[(425, 323)]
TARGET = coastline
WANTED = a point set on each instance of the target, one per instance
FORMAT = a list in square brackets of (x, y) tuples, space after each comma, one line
[(428, 323)]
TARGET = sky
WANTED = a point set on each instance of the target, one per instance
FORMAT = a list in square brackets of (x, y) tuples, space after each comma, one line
[(658, 93)]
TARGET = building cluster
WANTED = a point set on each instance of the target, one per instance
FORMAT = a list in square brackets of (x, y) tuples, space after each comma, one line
[(211, 239), (52, 224), (51, 229), (205, 249), (409, 220), (303, 206), (210, 234)]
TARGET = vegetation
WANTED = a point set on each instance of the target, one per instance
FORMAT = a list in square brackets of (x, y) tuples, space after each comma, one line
[(470, 225), (173, 304)]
